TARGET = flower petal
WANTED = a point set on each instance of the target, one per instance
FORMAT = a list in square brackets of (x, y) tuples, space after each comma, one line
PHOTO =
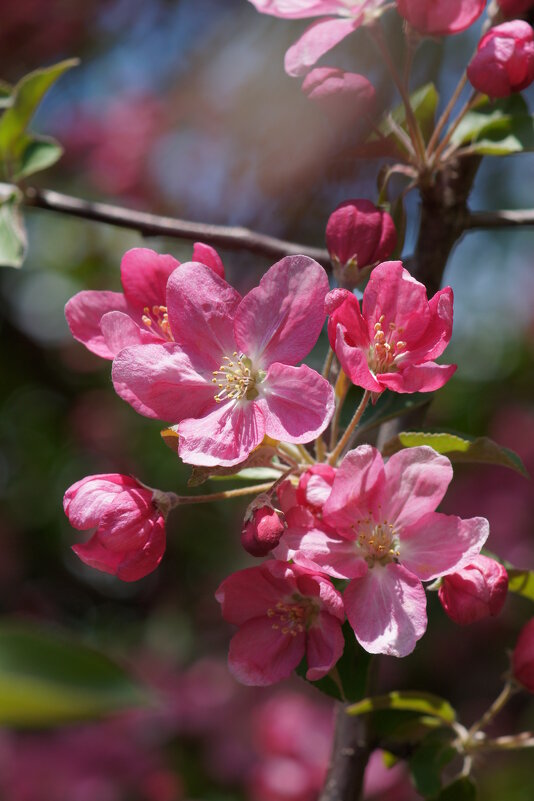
[(260, 655), (207, 255), (86, 501), (417, 480), (120, 331), (84, 312), (357, 488), (144, 276), (402, 300), (324, 646), (437, 335), (249, 593), (317, 550), (418, 377), (318, 39), (298, 9), (140, 562), (353, 360)]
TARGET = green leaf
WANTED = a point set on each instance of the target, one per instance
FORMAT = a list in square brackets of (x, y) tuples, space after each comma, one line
[(497, 129), (37, 153), (13, 240), (427, 763), (463, 789), (521, 582), (391, 405), (409, 700), (458, 448), (5, 95), (424, 102), (251, 474), (47, 679)]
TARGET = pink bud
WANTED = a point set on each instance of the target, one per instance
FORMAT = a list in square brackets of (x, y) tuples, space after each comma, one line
[(504, 62), (262, 529), (515, 8), (129, 518), (359, 234), (207, 255), (523, 657), (476, 591), (440, 17), (340, 93)]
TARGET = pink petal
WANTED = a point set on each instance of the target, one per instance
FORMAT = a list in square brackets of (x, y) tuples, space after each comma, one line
[(225, 436), (207, 255), (320, 587), (93, 554), (317, 40), (402, 300), (439, 331), (298, 9), (87, 500), (201, 308), (324, 646), (417, 480), (344, 309), (144, 276), (120, 331), (281, 319), (297, 403), (387, 610), (357, 488), (84, 312), (316, 550), (418, 377), (353, 360), (160, 381), (438, 544), (249, 593), (260, 655), (140, 562)]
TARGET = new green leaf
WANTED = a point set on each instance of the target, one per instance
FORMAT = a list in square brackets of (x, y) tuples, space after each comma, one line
[(521, 582), (13, 240), (410, 701)]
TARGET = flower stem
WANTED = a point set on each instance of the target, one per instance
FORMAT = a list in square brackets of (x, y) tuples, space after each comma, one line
[(442, 122), (502, 699), (252, 489), (338, 450), (468, 105)]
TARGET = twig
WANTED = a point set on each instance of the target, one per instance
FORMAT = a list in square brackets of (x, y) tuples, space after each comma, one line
[(498, 219)]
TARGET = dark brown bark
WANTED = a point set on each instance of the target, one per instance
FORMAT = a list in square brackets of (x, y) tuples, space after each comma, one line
[(350, 754)]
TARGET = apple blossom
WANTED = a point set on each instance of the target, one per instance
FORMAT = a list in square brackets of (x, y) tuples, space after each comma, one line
[(283, 613), (504, 61), (339, 93), (262, 528), (393, 341), (385, 537), (129, 518), (229, 377), (440, 17), (476, 591), (523, 657)]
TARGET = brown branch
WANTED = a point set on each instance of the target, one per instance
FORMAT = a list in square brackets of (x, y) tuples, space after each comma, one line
[(349, 758), (154, 225), (498, 219)]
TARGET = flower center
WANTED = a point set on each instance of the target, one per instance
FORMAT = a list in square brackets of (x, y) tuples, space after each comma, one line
[(293, 618), (235, 379), (378, 541), (157, 317), (386, 347)]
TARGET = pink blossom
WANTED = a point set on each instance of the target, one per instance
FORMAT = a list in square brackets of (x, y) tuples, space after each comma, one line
[(129, 540), (440, 17), (341, 19), (341, 94), (385, 537), (393, 341), (105, 322), (504, 61), (476, 591), (229, 377), (283, 613), (523, 657)]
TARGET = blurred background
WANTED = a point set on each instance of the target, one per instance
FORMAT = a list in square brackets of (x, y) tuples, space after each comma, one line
[(182, 107)]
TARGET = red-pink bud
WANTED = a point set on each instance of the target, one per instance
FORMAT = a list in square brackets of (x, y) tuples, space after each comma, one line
[(359, 234), (476, 591), (504, 62), (515, 8), (440, 17), (262, 529), (339, 92), (523, 657)]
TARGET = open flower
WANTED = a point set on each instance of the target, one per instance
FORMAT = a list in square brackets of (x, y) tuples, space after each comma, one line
[(341, 18), (386, 538), (393, 341), (283, 613), (129, 541), (229, 377)]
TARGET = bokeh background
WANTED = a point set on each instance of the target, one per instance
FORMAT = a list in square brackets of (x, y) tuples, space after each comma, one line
[(181, 107)]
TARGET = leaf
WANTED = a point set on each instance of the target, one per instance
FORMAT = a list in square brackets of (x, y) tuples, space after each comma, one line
[(521, 582), (252, 474), (424, 102), (261, 457), (427, 763), (5, 95), (411, 701), (463, 789), (47, 679), (497, 129), (13, 240), (37, 153), (458, 448), (391, 405)]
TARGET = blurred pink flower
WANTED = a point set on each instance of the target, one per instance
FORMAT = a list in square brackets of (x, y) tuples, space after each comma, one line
[(441, 17), (504, 61), (523, 657)]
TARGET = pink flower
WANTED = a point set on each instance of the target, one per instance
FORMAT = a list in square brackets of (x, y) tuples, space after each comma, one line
[(523, 657), (341, 94), (341, 19), (392, 342), (129, 540), (229, 378), (515, 8), (476, 591), (283, 613), (263, 527), (386, 538), (440, 17), (504, 61), (105, 322)]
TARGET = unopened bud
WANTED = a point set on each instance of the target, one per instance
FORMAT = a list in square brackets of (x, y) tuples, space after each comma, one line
[(515, 8), (263, 527), (476, 591), (504, 61), (523, 657)]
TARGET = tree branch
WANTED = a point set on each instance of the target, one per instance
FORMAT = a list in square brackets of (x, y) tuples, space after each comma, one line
[(498, 219), (154, 225)]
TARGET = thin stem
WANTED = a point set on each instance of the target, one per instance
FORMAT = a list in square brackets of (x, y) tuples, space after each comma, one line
[(442, 122), (338, 450), (468, 105), (287, 458), (253, 489), (502, 699), (305, 455), (328, 363), (342, 388)]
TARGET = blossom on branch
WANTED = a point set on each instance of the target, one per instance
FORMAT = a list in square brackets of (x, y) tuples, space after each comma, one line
[(523, 657), (504, 61), (440, 17)]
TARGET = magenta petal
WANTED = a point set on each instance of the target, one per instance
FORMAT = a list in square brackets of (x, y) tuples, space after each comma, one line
[(417, 480), (298, 9), (297, 403), (324, 646), (87, 500), (318, 39), (225, 436), (357, 488), (438, 544), (281, 319), (261, 655), (402, 300), (144, 276), (418, 377), (84, 312), (120, 331), (249, 593), (387, 610), (439, 331), (140, 562), (344, 308), (207, 255), (160, 381), (316, 550), (93, 554), (353, 360)]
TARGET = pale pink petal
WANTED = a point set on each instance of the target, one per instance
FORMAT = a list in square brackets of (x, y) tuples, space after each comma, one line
[(316, 550), (261, 655), (281, 319), (317, 40), (207, 255), (84, 312), (318, 489), (387, 610), (297, 403), (357, 489), (249, 593), (353, 360), (225, 436), (144, 276), (438, 544), (87, 500), (402, 300), (324, 646), (418, 377), (417, 480), (160, 381), (299, 9), (120, 331)]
